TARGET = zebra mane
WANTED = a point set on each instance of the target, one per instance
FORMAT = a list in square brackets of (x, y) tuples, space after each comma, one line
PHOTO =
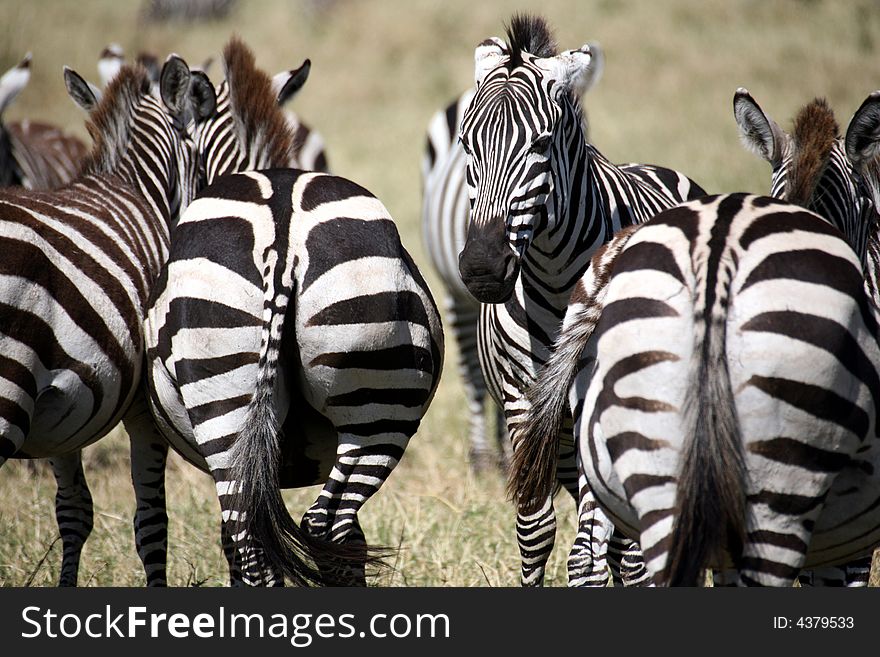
[(260, 122), (531, 34), (814, 135), (109, 124)]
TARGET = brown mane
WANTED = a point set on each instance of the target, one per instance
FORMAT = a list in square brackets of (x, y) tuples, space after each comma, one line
[(815, 132), (260, 121), (109, 124)]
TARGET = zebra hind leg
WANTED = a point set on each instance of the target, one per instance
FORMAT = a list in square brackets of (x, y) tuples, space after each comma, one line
[(149, 452), (73, 511), (357, 475), (626, 561), (854, 574), (248, 565)]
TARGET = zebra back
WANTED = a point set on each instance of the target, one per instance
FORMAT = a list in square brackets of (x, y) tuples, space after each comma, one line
[(775, 272)]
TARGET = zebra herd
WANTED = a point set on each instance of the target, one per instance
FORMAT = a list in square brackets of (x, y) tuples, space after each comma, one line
[(199, 276)]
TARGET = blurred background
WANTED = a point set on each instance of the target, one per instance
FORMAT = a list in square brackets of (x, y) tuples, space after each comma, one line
[(380, 69)]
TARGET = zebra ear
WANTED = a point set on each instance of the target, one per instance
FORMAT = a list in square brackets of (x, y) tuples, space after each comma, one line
[(174, 82), (581, 68), (758, 132), (13, 81), (203, 98), (84, 94), (487, 56), (863, 134), (287, 84)]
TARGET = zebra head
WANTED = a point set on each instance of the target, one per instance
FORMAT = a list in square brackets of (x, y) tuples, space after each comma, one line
[(249, 130), (863, 146), (521, 132), (138, 136), (810, 165)]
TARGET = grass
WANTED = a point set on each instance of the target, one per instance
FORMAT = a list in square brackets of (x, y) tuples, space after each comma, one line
[(380, 69)]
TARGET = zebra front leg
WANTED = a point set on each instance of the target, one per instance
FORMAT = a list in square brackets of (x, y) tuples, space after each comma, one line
[(73, 511), (463, 316), (535, 535), (149, 452)]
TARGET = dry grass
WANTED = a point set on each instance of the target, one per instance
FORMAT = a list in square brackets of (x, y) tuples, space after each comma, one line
[(380, 69)]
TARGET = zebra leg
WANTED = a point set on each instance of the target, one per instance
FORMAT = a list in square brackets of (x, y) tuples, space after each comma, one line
[(148, 455), (229, 552), (536, 535), (627, 561), (587, 561), (73, 511), (854, 574), (360, 469), (248, 565), (502, 439), (463, 316)]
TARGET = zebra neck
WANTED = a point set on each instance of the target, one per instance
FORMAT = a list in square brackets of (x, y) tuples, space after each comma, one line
[(588, 214)]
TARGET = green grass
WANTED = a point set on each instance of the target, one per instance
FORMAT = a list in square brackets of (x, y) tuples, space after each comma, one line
[(380, 69)]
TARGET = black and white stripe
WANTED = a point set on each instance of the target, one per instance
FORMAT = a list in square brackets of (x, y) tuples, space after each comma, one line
[(444, 228), (306, 353), (812, 169), (700, 430), (34, 155), (79, 265), (542, 201)]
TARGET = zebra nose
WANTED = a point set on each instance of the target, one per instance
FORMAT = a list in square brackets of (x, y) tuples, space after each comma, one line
[(488, 267)]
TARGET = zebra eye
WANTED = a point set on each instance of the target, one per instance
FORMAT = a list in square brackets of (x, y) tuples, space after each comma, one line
[(464, 146), (541, 144)]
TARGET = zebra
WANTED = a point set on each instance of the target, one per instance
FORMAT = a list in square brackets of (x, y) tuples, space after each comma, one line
[(79, 265), (861, 152), (700, 429), (34, 155), (309, 147), (542, 199), (306, 354), (811, 168), (310, 151), (444, 224)]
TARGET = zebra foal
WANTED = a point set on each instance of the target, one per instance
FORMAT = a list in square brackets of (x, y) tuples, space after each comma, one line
[(292, 341), (78, 268)]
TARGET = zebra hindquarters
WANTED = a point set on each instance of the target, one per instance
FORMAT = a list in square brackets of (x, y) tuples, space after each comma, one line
[(805, 376), (628, 400), (371, 356)]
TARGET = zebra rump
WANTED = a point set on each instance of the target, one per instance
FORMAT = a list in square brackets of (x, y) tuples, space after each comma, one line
[(705, 478)]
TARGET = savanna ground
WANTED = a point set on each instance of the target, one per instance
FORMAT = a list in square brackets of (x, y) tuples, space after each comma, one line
[(379, 70)]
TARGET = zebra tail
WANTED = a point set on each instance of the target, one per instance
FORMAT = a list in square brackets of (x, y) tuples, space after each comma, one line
[(532, 474), (255, 460), (711, 496)]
